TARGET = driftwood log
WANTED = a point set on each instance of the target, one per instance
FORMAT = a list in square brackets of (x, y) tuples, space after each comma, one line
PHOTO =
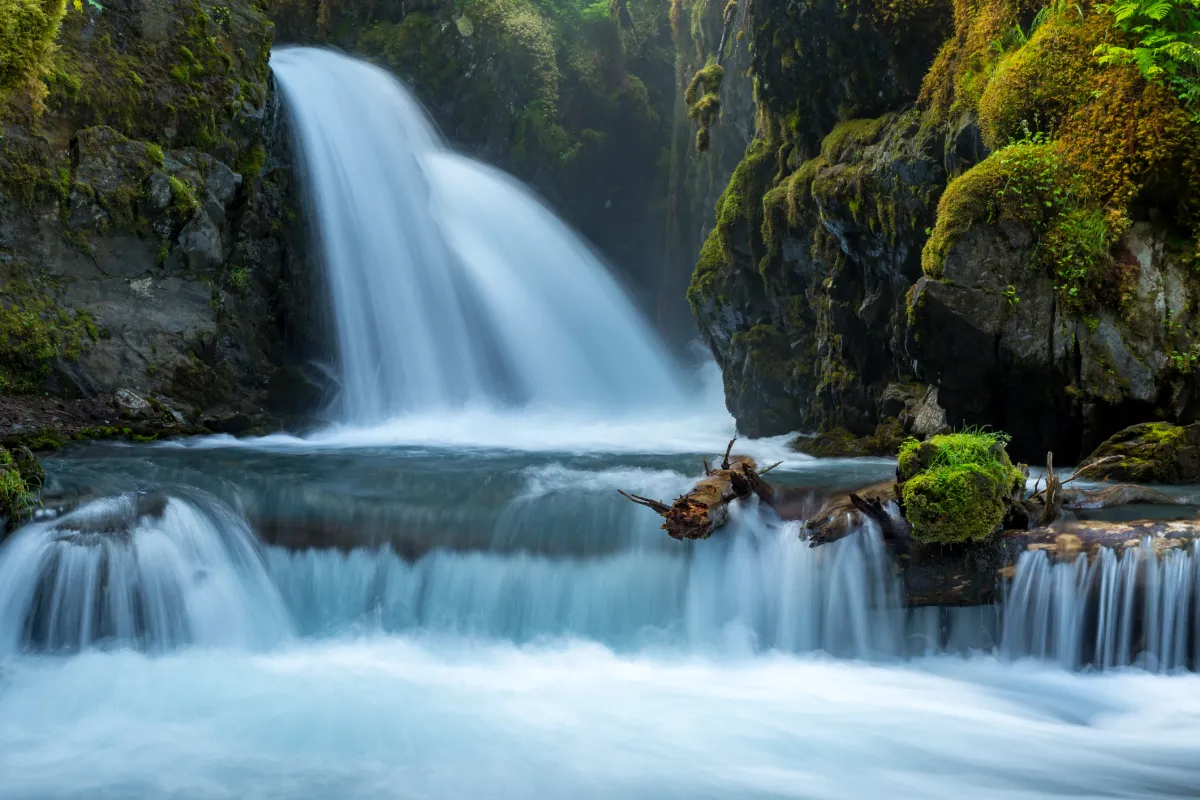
[(705, 508)]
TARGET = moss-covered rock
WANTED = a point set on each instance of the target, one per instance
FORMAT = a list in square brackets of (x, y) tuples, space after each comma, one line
[(841, 443), (127, 235), (1152, 452), (36, 329), (956, 487)]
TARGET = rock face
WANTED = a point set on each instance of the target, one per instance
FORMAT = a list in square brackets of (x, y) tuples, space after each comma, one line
[(1152, 452), (144, 213), (901, 219)]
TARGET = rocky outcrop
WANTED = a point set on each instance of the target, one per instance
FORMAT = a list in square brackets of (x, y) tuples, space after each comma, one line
[(145, 242), (960, 207)]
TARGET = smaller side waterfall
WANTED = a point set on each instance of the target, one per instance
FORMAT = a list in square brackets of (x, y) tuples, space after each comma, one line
[(143, 570), (757, 586), (1139, 608)]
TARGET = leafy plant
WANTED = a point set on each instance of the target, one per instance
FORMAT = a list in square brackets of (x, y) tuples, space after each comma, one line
[(1168, 44)]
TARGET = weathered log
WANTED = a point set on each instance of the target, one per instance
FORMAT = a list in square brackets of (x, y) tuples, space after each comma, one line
[(1121, 494), (705, 508), (840, 515)]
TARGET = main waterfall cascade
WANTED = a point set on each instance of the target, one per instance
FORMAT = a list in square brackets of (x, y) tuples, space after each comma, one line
[(452, 285)]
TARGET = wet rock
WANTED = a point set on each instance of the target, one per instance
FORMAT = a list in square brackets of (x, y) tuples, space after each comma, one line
[(1152, 452), (131, 405), (235, 424), (293, 390), (925, 417), (200, 244)]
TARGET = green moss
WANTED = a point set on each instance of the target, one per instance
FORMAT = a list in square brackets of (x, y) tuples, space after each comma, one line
[(17, 497), (1031, 184), (27, 32), (35, 331), (1038, 85), (956, 487), (1146, 453), (841, 443), (252, 164), (1080, 145), (183, 197), (703, 98), (156, 154), (43, 439), (708, 266), (855, 134)]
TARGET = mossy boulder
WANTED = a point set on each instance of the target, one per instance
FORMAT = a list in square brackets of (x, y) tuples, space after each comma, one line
[(956, 487), (1153, 452)]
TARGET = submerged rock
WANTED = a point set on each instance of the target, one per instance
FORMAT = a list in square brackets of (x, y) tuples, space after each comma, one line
[(1153, 452)]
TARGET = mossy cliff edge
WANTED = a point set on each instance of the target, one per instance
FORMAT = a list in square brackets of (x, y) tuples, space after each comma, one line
[(968, 195), (144, 236)]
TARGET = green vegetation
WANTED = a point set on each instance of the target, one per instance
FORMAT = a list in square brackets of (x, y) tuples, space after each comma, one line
[(27, 32), (35, 331), (1079, 142), (956, 487), (841, 443), (20, 479), (703, 99), (1167, 47), (183, 198)]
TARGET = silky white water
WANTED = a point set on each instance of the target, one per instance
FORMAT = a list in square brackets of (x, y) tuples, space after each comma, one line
[(452, 286), (402, 717), (116, 573)]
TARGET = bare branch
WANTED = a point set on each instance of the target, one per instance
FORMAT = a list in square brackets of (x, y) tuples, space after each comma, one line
[(725, 462), (662, 508)]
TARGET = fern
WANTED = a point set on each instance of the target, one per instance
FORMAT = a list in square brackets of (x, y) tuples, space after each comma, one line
[(1167, 49)]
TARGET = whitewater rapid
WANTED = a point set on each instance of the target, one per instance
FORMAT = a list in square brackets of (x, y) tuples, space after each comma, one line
[(387, 717)]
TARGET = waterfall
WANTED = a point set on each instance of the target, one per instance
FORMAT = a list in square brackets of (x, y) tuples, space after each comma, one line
[(758, 586), (451, 284), (137, 570), (1136, 609)]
